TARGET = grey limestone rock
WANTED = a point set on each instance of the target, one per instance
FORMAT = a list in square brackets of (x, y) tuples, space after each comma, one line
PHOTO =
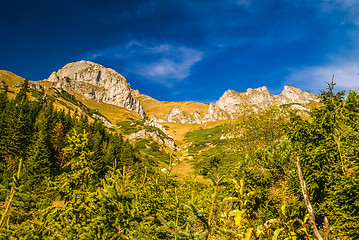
[(231, 100), (156, 137), (98, 83)]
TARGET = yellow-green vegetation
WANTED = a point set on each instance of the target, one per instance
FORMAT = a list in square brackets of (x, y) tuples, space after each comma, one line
[(178, 131), (65, 177), (203, 138), (45, 83)]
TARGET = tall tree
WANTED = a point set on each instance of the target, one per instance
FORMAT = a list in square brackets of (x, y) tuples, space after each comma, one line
[(327, 147)]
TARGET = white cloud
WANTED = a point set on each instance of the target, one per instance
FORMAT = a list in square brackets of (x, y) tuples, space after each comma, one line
[(163, 63), (313, 78), (174, 64)]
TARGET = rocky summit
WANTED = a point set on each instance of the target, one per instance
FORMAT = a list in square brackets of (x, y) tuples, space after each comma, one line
[(98, 83)]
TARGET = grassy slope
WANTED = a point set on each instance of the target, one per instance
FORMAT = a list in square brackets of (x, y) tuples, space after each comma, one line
[(113, 113), (10, 78), (160, 109)]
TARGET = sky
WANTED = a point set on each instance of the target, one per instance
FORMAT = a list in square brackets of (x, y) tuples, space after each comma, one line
[(182, 50)]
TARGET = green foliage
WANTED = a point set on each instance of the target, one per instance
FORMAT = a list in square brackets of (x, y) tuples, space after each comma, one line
[(71, 98), (131, 126), (202, 138), (152, 150), (254, 129), (327, 147), (77, 180)]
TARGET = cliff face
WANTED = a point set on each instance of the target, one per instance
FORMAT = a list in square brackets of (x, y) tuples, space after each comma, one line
[(98, 83)]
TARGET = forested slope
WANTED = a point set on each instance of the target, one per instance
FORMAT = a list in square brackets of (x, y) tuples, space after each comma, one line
[(63, 176)]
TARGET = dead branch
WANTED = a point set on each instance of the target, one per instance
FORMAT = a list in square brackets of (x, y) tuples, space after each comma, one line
[(307, 202)]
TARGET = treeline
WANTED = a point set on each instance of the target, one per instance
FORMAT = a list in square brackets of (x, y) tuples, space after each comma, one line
[(65, 177)]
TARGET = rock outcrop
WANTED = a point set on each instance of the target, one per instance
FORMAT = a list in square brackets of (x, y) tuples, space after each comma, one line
[(156, 136), (98, 83), (231, 100), (214, 113), (295, 95)]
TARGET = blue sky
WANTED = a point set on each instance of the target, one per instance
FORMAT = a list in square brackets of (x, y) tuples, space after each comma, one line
[(188, 49)]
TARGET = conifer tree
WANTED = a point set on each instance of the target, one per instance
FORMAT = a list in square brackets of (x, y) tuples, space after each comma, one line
[(37, 165), (327, 147), (79, 175), (18, 128)]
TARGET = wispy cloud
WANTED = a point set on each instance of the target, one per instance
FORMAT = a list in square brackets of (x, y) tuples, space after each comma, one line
[(313, 78), (171, 64), (163, 63)]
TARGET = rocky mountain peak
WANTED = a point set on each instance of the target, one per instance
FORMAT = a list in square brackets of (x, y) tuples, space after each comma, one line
[(295, 95), (96, 82), (261, 97)]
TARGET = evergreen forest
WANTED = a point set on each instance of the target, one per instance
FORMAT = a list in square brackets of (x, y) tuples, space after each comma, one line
[(277, 175)]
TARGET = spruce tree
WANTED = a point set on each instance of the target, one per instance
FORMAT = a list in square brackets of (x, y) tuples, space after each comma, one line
[(38, 164), (327, 147)]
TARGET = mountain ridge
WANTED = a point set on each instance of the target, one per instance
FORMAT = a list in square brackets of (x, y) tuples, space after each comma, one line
[(96, 82)]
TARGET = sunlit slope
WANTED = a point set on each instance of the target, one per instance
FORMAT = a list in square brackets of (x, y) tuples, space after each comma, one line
[(160, 109), (10, 78)]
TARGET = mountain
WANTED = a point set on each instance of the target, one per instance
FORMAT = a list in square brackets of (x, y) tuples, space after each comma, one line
[(104, 94), (231, 100), (106, 85), (97, 83)]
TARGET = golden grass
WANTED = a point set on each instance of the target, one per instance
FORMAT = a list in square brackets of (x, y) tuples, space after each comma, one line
[(59, 203), (45, 83), (10, 78), (160, 109)]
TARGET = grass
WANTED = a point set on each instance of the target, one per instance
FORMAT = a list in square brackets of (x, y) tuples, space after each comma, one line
[(131, 126), (160, 109), (202, 138), (10, 78), (178, 131)]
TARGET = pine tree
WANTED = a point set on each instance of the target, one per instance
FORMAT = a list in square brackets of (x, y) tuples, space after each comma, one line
[(79, 175), (37, 165)]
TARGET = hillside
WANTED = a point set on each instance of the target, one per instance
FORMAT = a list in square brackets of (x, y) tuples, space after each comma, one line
[(104, 85), (75, 167), (104, 94)]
